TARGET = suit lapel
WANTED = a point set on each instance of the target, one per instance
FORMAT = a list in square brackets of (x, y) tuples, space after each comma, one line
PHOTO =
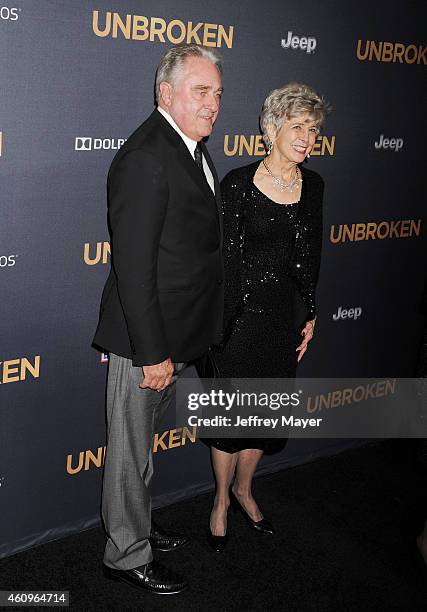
[(218, 200), (184, 156), (192, 169)]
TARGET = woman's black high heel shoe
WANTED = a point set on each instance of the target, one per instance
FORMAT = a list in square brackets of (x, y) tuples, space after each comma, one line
[(217, 543), (262, 526)]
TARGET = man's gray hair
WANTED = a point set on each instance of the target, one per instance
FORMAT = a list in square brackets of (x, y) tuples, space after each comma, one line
[(172, 63), (288, 101)]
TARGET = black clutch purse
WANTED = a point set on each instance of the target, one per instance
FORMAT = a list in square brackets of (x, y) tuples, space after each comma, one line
[(206, 366)]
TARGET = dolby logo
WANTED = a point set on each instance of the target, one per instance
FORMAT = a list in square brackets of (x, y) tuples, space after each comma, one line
[(7, 261), (87, 143), (9, 14)]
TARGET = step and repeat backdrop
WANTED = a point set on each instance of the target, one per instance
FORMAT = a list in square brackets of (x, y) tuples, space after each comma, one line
[(76, 79)]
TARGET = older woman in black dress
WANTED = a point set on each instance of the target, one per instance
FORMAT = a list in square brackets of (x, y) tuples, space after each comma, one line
[(272, 240)]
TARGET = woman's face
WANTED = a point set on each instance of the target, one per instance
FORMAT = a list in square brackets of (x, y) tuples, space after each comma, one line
[(296, 137)]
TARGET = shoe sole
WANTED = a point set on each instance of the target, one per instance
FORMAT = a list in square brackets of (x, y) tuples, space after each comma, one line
[(141, 588)]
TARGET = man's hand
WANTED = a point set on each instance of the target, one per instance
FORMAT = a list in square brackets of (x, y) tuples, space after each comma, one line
[(307, 332), (159, 376)]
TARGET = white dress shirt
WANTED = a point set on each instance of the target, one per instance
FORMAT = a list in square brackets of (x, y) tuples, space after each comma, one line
[(191, 146)]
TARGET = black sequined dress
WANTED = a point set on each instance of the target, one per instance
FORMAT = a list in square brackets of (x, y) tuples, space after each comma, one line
[(271, 259)]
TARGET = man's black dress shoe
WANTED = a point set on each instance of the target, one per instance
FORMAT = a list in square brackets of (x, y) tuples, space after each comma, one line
[(217, 543), (152, 577), (164, 541), (262, 526)]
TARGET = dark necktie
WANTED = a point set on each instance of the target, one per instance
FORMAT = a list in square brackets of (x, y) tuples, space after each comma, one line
[(198, 157)]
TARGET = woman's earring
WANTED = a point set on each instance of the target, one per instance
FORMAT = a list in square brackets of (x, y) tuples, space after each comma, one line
[(269, 148), (307, 156)]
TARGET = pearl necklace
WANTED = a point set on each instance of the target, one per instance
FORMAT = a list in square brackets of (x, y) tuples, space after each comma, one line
[(280, 183)]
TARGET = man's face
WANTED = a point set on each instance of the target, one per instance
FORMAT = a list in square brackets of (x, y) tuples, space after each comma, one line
[(194, 101)]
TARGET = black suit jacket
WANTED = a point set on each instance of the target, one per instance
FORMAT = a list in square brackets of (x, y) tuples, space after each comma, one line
[(164, 295)]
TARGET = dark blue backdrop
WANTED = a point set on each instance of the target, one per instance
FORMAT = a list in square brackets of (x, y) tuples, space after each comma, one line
[(68, 97)]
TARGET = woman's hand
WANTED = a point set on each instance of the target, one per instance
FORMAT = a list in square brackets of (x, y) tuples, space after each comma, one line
[(307, 332)]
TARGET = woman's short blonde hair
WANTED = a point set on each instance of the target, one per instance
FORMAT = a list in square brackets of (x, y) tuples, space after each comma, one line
[(288, 101)]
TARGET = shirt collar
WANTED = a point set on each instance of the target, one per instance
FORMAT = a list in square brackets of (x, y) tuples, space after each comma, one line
[(191, 144)]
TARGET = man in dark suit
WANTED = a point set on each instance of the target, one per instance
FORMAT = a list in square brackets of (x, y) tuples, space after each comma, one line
[(162, 303)]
